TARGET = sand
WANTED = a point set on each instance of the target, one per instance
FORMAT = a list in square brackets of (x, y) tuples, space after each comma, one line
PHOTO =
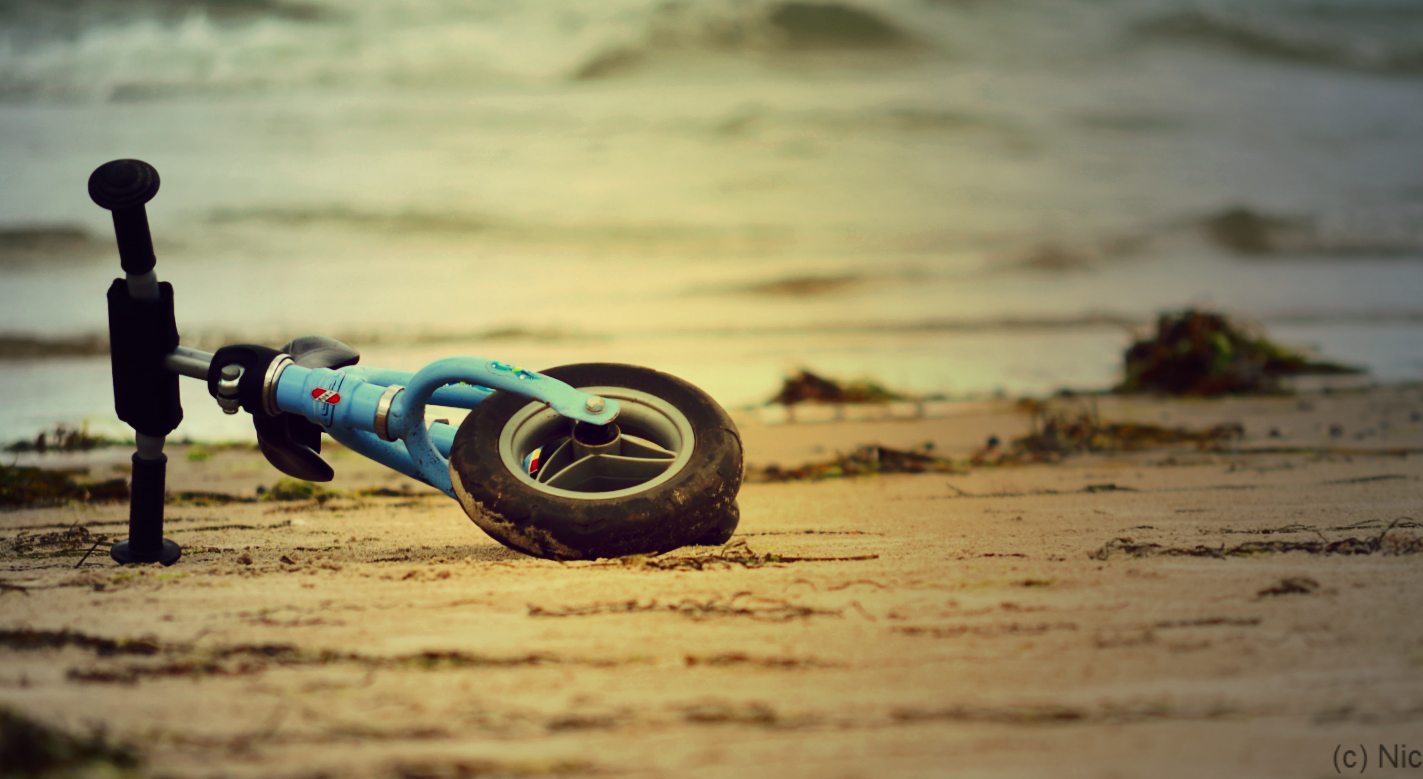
[(1117, 614)]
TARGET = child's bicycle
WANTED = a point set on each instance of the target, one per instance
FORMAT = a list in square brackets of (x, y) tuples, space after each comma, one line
[(580, 461)]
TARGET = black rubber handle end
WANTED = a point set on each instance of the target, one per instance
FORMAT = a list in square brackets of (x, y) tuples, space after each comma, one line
[(122, 184)]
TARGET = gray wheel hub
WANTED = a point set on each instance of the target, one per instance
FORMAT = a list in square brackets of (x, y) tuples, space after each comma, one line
[(656, 443)]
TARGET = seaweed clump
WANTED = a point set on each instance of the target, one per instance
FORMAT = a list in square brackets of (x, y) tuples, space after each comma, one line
[(1056, 434), (62, 439), (287, 489), (25, 486), (864, 461), (735, 553), (1197, 353), (1394, 540), (31, 748), (61, 543), (806, 387)]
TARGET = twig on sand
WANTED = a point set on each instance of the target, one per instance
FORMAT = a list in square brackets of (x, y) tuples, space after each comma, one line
[(91, 551)]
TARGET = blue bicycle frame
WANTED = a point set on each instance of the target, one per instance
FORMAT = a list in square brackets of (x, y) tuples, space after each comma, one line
[(381, 413)]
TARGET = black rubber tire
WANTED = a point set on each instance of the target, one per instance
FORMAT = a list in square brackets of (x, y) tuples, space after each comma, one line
[(696, 500), (724, 528)]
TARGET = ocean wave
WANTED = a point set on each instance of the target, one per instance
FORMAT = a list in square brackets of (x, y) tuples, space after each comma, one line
[(67, 17), (146, 49), (161, 49), (27, 244), (798, 286), (26, 346), (773, 28), (1384, 37), (344, 216), (31, 347), (631, 235), (1396, 230)]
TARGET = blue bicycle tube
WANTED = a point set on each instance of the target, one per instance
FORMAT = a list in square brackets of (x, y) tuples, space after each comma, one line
[(407, 412), (345, 402)]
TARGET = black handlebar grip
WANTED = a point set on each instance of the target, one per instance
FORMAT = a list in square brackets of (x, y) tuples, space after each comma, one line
[(123, 186)]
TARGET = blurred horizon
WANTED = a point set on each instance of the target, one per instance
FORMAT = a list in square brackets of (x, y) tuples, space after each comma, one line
[(948, 196)]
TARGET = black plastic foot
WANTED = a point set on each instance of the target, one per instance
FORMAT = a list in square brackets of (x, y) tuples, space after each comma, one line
[(167, 554)]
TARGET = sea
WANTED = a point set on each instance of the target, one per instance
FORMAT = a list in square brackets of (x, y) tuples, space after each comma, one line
[(953, 198)]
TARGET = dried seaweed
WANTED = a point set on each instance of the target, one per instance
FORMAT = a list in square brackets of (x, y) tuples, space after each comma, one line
[(1059, 432), (184, 660), (22, 486), (198, 499), (61, 543), (1394, 540), (1049, 714), (1207, 622), (864, 461), (288, 489), (26, 639), (739, 714), (760, 609), (735, 553), (431, 768), (246, 660), (63, 439), (1196, 353), (387, 492), (29, 748), (806, 387), (1010, 629), (1292, 585), (741, 659), (1023, 715)]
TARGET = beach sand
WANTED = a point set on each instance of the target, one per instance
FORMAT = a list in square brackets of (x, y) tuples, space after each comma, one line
[(992, 622)]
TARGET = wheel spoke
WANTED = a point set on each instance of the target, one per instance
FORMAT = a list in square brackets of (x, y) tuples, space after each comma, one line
[(561, 457), (605, 472), (656, 441), (572, 477), (637, 469), (633, 446)]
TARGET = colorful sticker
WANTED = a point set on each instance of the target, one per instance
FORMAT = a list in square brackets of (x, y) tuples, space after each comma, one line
[(519, 373), (321, 395)]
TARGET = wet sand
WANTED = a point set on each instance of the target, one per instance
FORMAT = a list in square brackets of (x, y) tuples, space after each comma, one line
[(1173, 612)]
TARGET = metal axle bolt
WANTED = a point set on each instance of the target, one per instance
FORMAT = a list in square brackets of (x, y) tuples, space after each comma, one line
[(595, 405), (227, 388)]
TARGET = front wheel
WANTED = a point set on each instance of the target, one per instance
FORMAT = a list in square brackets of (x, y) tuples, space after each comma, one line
[(665, 477)]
